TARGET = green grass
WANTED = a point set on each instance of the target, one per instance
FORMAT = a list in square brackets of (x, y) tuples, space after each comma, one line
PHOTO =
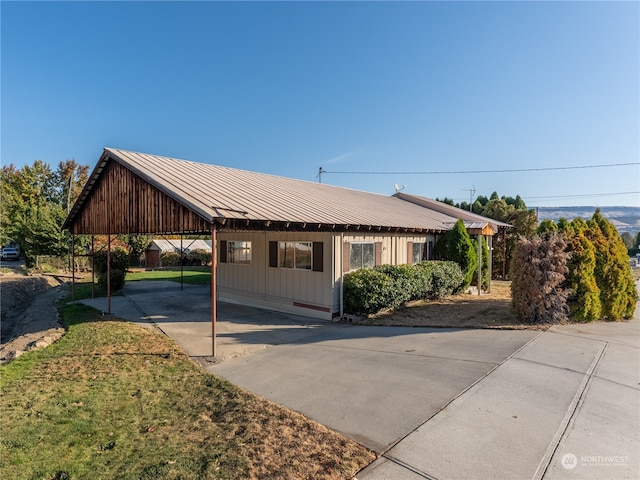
[(191, 276), (116, 400)]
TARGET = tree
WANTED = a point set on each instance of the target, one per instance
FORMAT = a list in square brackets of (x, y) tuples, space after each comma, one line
[(35, 203), (618, 293), (538, 273), (547, 227), (584, 301), (456, 245)]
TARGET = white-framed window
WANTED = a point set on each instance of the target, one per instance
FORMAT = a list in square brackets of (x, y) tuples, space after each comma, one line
[(296, 255), (236, 252), (362, 255)]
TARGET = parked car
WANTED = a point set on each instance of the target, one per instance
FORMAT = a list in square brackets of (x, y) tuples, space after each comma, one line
[(10, 254)]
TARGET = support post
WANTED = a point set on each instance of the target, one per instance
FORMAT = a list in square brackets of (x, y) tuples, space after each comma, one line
[(181, 264), (480, 264), (73, 268), (93, 267), (109, 274), (490, 242), (214, 302)]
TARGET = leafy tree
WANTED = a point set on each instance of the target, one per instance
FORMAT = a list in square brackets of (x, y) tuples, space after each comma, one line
[(628, 239), (34, 205), (456, 245)]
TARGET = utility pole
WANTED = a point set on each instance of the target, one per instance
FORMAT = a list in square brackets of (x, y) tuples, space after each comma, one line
[(472, 192)]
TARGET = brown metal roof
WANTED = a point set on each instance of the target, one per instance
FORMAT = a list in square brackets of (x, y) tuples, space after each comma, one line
[(243, 197)]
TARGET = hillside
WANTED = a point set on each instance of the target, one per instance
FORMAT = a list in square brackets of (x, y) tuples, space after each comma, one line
[(626, 219)]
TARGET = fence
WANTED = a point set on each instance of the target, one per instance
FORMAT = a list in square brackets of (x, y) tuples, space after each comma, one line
[(51, 263)]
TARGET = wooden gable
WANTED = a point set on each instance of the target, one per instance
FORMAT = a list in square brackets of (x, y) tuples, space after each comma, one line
[(124, 203)]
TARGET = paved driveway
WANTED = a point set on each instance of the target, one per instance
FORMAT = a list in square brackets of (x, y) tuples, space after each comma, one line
[(435, 403)]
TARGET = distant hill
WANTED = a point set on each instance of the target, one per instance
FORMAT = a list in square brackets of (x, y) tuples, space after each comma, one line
[(626, 219)]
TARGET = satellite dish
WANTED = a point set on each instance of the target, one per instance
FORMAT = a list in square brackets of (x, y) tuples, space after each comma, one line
[(398, 187)]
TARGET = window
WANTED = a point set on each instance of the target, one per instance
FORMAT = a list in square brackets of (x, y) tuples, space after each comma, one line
[(362, 255), (235, 252), (420, 252), (295, 255)]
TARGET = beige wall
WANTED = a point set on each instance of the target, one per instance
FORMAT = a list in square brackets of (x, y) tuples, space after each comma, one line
[(303, 292)]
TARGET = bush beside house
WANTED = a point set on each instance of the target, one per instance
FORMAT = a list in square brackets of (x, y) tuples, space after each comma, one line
[(370, 290)]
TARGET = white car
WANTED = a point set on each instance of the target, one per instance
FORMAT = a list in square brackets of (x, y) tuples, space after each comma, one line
[(10, 254)]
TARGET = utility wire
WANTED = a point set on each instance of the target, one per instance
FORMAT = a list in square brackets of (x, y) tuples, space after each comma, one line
[(511, 170)]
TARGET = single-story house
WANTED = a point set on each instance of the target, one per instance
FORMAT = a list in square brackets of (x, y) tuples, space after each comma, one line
[(280, 243), (158, 246)]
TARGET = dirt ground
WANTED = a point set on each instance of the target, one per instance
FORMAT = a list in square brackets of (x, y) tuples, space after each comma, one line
[(30, 318), (489, 310)]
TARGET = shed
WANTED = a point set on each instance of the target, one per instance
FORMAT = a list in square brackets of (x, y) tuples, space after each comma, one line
[(158, 246)]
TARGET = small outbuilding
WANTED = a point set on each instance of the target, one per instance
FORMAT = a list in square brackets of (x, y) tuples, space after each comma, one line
[(158, 246)]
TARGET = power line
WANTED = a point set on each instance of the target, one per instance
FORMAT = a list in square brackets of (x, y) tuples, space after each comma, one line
[(511, 170), (587, 195)]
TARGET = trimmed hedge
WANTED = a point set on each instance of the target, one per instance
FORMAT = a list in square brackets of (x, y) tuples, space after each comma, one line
[(370, 290)]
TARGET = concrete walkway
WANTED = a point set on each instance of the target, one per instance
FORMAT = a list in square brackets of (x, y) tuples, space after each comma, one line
[(435, 403)]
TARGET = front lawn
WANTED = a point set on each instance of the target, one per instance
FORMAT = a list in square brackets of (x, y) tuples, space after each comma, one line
[(116, 400)]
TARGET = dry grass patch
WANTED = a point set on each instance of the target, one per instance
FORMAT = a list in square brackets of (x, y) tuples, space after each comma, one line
[(491, 310), (116, 400)]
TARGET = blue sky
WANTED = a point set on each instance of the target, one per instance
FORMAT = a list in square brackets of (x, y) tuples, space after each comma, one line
[(286, 88)]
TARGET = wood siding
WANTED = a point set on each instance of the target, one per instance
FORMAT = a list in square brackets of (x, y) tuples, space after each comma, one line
[(121, 202)]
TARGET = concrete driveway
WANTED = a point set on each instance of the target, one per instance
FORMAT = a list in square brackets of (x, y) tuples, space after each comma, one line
[(434, 403)]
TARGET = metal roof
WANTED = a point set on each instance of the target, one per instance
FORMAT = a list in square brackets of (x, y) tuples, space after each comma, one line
[(188, 245), (470, 219), (220, 193)]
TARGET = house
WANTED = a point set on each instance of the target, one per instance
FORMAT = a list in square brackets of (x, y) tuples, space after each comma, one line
[(280, 243), (158, 246)]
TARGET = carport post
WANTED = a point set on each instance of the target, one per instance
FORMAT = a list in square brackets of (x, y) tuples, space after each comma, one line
[(214, 303)]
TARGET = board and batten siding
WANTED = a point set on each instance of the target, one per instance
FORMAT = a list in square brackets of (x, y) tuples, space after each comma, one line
[(390, 249), (303, 292)]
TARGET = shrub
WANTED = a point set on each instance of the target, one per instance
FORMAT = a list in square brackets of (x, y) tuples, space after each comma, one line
[(370, 290), (447, 278), (199, 257), (119, 264), (456, 245), (117, 280), (538, 272), (367, 290), (170, 259)]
